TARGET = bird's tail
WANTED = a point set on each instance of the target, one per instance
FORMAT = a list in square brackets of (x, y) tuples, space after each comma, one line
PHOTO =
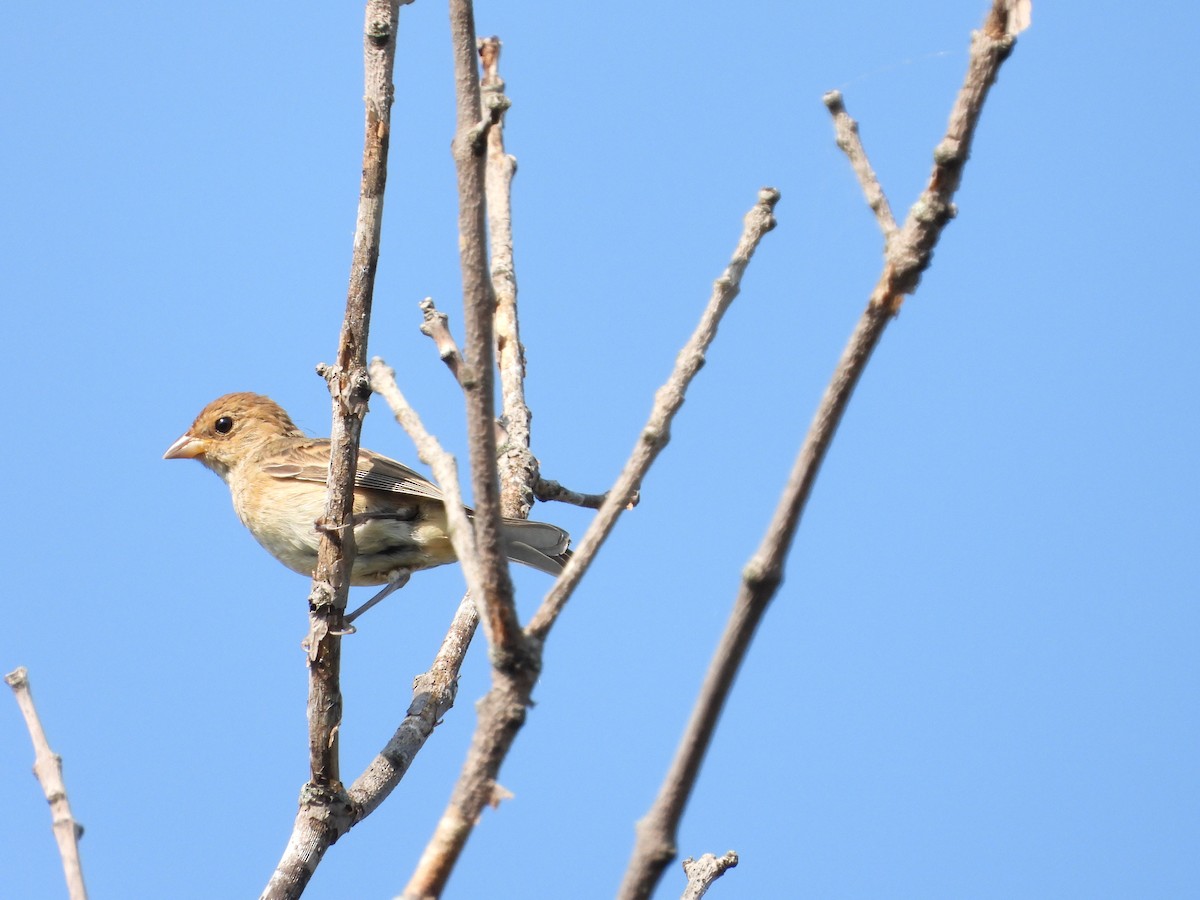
[(536, 544)]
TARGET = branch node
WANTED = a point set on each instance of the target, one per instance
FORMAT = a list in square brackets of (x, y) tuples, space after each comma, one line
[(546, 490), (522, 658), (379, 33), (760, 575), (702, 872), (657, 436)]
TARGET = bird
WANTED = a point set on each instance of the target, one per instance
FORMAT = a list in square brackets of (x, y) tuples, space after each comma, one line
[(277, 475)]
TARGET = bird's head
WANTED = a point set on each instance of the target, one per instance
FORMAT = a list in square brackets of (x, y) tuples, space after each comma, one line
[(231, 427)]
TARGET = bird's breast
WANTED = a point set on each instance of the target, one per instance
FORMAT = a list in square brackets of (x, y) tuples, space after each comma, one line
[(390, 532)]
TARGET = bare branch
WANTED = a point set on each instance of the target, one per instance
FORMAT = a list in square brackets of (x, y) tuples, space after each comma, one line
[(47, 768), (547, 490), (702, 872), (514, 673), (1008, 18), (655, 846), (325, 812), (445, 471), (669, 398), (497, 609), (517, 464), (436, 326), (433, 696), (846, 131), (909, 253), (502, 710)]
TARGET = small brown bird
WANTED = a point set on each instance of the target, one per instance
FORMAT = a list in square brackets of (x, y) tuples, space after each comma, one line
[(277, 477)]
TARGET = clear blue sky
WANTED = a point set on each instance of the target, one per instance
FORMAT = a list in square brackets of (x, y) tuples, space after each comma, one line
[(980, 677)]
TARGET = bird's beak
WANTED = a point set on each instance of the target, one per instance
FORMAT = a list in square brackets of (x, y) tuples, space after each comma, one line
[(186, 447)]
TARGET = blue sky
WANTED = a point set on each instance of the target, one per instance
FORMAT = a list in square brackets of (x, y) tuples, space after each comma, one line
[(980, 676)]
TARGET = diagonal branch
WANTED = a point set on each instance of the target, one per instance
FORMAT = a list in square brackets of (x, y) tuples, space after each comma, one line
[(325, 811), (906, 256), (911, 249), (436, 327), (445, 471), (502, 710), (845, 131), (702, 872), (47, 768), (546, 490), (434, 692), (497, 609), (657, 430)]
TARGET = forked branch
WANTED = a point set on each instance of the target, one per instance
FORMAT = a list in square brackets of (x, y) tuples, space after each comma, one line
[(325, 810), (502, 711), (907, 255)]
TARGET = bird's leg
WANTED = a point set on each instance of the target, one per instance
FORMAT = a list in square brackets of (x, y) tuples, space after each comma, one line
[(399, 578)]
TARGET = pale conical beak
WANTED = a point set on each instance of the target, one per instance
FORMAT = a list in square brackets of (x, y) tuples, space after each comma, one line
[(186, 447)]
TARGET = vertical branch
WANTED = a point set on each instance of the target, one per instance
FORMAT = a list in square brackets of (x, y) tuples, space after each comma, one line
[(433, 692), (47, 768), (907, 254), (498, 613), (518, 467), (325, 810), (502, 711), (515, 661)]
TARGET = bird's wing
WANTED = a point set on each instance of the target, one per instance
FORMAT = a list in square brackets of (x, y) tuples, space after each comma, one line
[(309, 461), (379, 473)]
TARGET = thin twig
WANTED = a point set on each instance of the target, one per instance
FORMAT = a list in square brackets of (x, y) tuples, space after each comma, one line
[(502, 710), (497, 610), (518, 468), (847, 137), (655, 846), (911, 249), (513, 674), (436, 326), (667, 401), (546, 490), (434, 690), (445, 471), (433, 696), (325, 810), (702, 872), (47, 768)]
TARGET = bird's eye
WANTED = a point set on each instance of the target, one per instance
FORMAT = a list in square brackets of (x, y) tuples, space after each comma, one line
[(223, 425)]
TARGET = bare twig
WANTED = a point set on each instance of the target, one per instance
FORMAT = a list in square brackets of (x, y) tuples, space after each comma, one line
[(502, 711), (497, 609), (325, 811), (445, 471), (846, 135), (515, 662), (546, 490), (517, 464), (909, 252), (436, 326), (657, 430), (702, 872), (47, 768), (433, 696), (906, 256)]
